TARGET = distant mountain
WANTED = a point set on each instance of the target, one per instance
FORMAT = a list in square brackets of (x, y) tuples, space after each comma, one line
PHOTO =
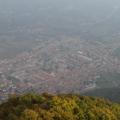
[(58, 107)]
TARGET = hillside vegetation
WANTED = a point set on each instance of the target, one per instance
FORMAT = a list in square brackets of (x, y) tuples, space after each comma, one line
[(58, 107)]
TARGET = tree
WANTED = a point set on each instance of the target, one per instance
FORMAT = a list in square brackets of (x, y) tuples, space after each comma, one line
[(29, 115)]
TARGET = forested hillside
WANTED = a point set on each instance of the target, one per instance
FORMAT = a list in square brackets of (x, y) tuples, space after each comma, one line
[(58, 107)]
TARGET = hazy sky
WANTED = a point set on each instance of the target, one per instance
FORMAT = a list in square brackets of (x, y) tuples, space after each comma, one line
[(58, 14)]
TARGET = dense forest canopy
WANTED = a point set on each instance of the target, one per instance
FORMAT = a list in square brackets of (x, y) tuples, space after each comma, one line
[(58, 107)]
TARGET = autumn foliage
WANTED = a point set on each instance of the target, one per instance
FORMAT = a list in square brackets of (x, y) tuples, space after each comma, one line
[(58, 107)]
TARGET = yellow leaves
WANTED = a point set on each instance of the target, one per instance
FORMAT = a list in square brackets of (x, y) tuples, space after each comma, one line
[(116, 109), (104, 114), (61, 107), (45, 115), (60, 114), (29, 115), (67, 104)]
